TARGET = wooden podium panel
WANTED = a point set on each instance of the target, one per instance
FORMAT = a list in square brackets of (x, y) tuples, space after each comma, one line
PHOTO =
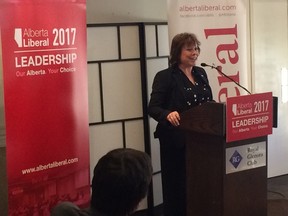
[(211, 191), (245, 192)]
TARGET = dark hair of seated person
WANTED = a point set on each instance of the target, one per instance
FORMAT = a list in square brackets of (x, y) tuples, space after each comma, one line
[(120, 181)]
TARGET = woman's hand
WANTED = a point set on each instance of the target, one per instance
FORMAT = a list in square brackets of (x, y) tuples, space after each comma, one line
[(174, 118)]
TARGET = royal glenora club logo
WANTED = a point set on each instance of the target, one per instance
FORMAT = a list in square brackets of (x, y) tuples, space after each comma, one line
[(236, 159)]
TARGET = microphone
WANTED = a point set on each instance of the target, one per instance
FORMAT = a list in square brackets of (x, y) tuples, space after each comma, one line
[(206, 65)]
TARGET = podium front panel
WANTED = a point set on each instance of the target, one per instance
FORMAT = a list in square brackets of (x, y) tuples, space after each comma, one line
[(213, 192)]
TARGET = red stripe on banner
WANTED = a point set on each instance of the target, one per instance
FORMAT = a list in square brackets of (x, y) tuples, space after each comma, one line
[(46, 104)]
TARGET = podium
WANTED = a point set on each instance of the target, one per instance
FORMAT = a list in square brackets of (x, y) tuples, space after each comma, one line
[(223, 178)]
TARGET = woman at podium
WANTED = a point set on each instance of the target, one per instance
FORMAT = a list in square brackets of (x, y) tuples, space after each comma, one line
[(180, 87)]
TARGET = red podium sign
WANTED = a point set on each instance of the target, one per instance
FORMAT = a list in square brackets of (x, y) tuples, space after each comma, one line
[(249, 116)]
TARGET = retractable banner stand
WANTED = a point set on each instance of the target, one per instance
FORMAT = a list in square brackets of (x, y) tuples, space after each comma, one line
[(221, 26), (46, 103)]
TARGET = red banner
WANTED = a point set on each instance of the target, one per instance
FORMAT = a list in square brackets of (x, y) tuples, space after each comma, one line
[(46, 103), (249, 116)]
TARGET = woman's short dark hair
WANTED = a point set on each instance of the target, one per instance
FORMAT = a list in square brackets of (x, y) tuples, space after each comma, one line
[(178, 42), (120, 181)]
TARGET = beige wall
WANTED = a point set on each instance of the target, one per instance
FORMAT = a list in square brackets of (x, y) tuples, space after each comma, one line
[(105, 11), (270, 54)]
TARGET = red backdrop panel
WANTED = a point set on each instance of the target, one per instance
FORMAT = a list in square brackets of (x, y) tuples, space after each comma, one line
[(46, 103)]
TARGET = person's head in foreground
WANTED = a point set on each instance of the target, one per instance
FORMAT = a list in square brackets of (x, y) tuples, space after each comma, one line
[(120, 181)]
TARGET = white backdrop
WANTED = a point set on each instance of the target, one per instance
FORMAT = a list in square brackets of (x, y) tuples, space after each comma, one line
[(221, 26)]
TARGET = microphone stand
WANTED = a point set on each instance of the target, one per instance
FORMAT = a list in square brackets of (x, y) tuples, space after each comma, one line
[(204, 65)]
